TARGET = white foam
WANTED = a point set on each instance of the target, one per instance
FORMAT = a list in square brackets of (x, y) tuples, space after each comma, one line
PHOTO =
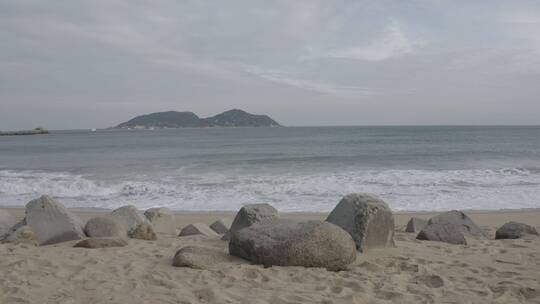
[(411, 190)]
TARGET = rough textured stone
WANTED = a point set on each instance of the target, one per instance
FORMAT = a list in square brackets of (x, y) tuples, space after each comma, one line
[(252, 214), (221, 226), (199, 257), (21, 234), (101, 243), (162, 219), (129, 216), (7, 221), (286, 243), (198, 229), (514, 230), (144, 232), (416, 225), (368, 219), (52, 222), (105, 226), (460, 220), (442, 232)]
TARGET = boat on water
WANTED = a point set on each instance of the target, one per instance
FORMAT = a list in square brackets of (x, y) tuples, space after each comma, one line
[(35, 131)]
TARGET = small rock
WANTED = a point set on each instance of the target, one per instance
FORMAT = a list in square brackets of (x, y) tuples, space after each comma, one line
[(514, 230), (162, 219), (286, 243), (221, 226), (442, 232), (101, 243), (199, 257), (130, 217), (105, 226), (251, 214), (198, 229), (459, 219), (144, 232), (416, 224), (7, 221), (52, 222), (21, 234), (368, 219)]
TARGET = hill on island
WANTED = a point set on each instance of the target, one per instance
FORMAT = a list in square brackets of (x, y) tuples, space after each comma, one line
[(173, 119)]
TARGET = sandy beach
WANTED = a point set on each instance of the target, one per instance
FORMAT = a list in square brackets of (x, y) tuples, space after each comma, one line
[(484, 271)]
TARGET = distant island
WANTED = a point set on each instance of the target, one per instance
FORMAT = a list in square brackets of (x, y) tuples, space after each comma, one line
[(173, 119), (35, 131)]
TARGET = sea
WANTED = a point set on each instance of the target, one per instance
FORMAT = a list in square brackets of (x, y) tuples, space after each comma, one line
[(296, 169)]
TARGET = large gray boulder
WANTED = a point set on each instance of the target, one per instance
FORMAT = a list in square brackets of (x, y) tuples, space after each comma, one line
[(286, 243), (198, 229), (221, 226), (514, 230), (199, 257), (368, 219), (162, 219), (442, 232), (129, 216), (460, 220), (7, 221), (416, 224), (105, 226), (252, 214), (52, 222)]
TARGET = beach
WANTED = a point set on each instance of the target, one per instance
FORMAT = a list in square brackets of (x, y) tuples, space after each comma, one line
[(483, 271)]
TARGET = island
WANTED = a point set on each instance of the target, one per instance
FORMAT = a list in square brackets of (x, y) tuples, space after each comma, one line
[(173, 119), (35, 131)]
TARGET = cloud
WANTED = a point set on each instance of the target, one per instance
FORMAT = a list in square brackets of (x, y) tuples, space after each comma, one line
[(326, 88), (411, 57), (392, 43)]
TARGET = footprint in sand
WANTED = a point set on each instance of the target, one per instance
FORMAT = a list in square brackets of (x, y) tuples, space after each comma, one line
[(431, 281)]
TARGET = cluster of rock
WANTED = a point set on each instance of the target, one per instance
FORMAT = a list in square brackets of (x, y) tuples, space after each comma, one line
[(257, 234), (49, 222), (454, 226), (358, 223)]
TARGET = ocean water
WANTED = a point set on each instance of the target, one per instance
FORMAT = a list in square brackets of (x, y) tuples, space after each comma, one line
[(292, 168)]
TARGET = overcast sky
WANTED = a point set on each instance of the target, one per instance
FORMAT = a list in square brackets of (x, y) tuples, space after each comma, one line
[(83, 64)]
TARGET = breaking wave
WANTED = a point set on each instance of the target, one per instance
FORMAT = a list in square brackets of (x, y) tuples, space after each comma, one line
[(404, 190)]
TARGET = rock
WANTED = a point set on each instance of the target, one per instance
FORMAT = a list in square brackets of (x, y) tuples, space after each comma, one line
[(7, 221), (251, 214), (199, 257), (101, 243), (162, 219), (105, 226), (221, 226), (52, 222), (442, 232), (286, 243), (368, 219), (198, 229), (144, 232), (415, 224), (21, 234), (129, 216), (460, 220), (514, 230)]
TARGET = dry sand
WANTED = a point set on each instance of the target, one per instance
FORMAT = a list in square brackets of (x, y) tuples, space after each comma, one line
[(485, 271)]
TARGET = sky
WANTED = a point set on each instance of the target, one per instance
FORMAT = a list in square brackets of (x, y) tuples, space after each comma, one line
[(83, 64)]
